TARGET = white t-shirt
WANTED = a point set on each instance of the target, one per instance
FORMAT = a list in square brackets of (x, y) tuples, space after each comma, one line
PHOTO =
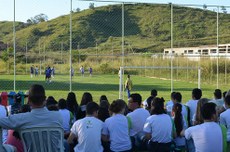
[(225, 120), (88, 130), (192, 104), (116, 127), (219, 103), (66, 119), (160, 127), (138, 118), (207, 137)]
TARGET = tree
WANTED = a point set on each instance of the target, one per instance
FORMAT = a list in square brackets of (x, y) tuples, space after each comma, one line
[(91, 6), (78, 9), (224, 9), (204, 6), (37, 19)]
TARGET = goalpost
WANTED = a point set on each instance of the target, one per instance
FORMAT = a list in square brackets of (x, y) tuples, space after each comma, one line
[(121, 75)]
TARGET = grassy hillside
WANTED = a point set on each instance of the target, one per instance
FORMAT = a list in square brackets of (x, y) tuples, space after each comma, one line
[(147, 29)]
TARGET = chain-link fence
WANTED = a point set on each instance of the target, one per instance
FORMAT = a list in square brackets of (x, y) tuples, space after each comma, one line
[(106, 37)]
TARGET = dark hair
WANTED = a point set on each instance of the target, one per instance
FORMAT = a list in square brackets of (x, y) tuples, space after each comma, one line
[(217, 93), (224, 94), (62, 103), (52, 108), (91, 107), (154, 92), (197, 93), (172, 94), (103, 97), (178, 119), (51, 101), (149, 101), (136, 98), (86, 98), (157, 106), (177, 96), (227, 99), (37, 94), (104, 104), (17, 98), (25, 108), (199, 119), (117, 106), (71, 103), (208, 110)]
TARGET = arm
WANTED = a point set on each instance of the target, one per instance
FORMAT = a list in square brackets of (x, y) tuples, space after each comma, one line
[(72, 136), (105, 138)]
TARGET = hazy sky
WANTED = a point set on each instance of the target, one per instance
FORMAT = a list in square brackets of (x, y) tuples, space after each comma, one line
[(26, 9)]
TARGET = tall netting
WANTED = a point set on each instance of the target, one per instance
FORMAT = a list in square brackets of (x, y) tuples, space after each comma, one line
[(101, 37)]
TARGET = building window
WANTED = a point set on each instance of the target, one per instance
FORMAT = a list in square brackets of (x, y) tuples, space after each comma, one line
[(185, 51), (205, 52), (190, 51), (166, 52), (213, 51)]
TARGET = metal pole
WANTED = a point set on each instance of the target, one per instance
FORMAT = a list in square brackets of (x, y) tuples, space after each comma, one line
[(123, 33), (225, 66), (14, 35), (40, 57), (199, 74), (26, 56), (171, 47), (79, 57), (217, 43), (121, 83), (70, 46)]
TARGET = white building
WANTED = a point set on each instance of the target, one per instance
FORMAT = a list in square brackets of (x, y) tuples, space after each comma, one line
[(194, 53)]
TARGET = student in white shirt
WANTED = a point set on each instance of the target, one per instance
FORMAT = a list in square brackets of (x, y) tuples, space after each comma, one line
[(180, 125), (208, 136), (116, 128), (138, 117), (192, 104), (87, 131), (225, 117), (158, 128)]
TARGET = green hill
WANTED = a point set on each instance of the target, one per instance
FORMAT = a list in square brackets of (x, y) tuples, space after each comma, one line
[(147, 29)]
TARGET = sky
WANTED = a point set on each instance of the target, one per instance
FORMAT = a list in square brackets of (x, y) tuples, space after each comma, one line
[(26, 9)]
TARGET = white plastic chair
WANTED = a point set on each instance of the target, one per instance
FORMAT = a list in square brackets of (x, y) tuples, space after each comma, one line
[(43, 139), (5, 147)]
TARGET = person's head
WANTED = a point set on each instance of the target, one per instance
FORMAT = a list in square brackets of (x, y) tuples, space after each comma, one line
[(217, 94), (154, 92), (198, 118), (172, 94), (117, 106), (224, 94), (149, 101), (25, 108), (208, 111), (176, 112), (134, 101), (227, 101), (103, 97), (37, 95), (157, 106), (92, 109), (177, 97), (196, 94), (86, 98), (51, 101), (62, 103), (17, 98)]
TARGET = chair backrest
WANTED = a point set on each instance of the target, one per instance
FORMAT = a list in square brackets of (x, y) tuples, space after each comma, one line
[(5, 147), (43, 139)]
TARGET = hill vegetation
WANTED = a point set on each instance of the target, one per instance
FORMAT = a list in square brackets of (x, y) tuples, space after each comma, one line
[(147, 29)]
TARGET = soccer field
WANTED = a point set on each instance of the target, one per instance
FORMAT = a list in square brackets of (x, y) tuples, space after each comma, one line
[(107, 85)]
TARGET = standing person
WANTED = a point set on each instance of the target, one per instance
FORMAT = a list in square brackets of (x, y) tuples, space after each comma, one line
[(72, 71), (82, 71), (48, 74), (52, 72), (116, 128), (90, 71), (32, 71), (36, 71), (128, 85), (208, 133), (87, 131)]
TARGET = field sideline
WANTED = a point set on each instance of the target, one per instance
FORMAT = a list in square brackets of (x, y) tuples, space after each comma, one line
[(107, 85)]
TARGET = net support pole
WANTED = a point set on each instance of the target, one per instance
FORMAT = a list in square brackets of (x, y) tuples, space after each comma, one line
[(199, 77), (14, 39), (171, 47), (121, 74), (217, 43), (70, 47)]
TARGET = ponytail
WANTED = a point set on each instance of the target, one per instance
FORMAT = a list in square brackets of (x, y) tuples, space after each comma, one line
[(178, 119)]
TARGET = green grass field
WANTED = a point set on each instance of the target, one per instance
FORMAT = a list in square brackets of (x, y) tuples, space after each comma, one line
[(107, 85)]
